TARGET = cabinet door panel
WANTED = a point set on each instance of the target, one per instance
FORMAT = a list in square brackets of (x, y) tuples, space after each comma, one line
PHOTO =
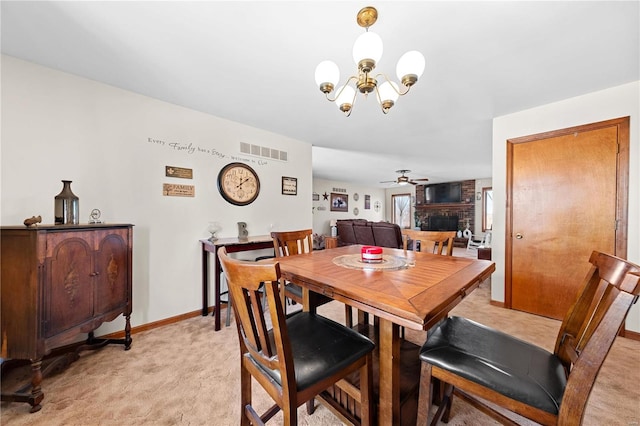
[(113, 268), (69, 283)]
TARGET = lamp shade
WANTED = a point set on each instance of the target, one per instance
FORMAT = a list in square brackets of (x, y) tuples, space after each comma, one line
[(387, 92), (411, 62), (345, 96), (367, 46), (327, 72)]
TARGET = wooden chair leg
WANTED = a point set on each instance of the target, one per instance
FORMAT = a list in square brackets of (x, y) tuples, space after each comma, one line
[(447, 401), (311, 406), (290, 413), (367, 407), (424, 395), (245, 395), (228, 319)]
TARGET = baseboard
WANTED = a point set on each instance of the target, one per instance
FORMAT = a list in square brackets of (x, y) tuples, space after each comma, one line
[(156, 324), (633, 335), (497, 303)]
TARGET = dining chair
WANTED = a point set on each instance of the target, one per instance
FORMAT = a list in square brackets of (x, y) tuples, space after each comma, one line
[(300, 356), (549, 388), (224, 292), (433, 241), (291, 243)]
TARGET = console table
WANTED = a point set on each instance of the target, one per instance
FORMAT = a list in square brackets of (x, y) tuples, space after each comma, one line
[(233, 245)]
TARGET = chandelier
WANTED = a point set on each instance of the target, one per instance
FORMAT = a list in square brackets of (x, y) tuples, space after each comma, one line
[(367, 51)]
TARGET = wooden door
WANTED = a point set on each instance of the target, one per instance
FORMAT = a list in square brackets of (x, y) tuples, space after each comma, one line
[(567, 196)]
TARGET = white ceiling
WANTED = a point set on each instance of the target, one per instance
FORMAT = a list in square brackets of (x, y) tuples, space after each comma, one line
[(254, 62)]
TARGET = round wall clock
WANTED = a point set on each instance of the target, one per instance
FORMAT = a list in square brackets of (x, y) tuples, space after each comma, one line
[(238, 184)]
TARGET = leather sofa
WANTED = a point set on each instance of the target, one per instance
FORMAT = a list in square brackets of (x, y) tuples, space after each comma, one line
[(361, 231)]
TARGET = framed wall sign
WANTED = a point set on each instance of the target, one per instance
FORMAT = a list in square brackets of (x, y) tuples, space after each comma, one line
[(289, 185), (339, 202)]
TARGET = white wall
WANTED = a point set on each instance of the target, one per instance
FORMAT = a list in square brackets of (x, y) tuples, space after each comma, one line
[(57, 126), (322, 213), (607, 104)]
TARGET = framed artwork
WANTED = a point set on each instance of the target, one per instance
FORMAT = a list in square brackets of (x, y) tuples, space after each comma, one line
[(367, 202), (339, 202), (289, 185)]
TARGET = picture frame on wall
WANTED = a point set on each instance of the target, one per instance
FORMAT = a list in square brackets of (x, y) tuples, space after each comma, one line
[(367, 202), (289, 185), (339, 202)]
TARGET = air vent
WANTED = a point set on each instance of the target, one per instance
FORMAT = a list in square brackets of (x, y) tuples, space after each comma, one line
[(263, 151)]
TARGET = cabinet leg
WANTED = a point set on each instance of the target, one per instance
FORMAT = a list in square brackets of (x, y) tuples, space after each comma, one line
[(36, 381), (127, 333), (32, 396)]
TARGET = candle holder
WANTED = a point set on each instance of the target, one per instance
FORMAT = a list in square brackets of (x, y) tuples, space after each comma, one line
[(213, 228)]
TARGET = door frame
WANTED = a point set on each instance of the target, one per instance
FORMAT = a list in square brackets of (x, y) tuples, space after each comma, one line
[(622, 189)]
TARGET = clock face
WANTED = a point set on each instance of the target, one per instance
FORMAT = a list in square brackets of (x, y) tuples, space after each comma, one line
[(238, 184)]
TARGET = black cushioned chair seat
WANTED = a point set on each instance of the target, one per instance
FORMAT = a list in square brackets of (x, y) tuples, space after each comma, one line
[(320, 348), (515, 368)]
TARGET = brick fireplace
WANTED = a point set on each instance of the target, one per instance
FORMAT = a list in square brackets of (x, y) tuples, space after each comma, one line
[(440, 215)]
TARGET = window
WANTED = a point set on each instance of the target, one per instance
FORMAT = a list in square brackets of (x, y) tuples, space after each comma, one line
[(487, 209), (401, 210)]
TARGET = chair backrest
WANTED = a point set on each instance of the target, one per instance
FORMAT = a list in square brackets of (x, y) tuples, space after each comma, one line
[(435, 241), (292, 242), (591, 325), (271, 350)]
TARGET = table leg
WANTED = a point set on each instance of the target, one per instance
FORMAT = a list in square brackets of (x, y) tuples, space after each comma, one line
[(218, 270), (205, 281), (389, 404)]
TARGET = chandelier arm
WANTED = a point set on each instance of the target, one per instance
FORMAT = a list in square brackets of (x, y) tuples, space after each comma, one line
[(341, 90), (392, 86)]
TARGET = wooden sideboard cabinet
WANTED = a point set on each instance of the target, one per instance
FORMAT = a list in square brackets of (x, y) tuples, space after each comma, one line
[(58, 282)]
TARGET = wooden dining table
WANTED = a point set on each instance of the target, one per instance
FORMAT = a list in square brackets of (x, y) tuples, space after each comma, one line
[(416, 291)]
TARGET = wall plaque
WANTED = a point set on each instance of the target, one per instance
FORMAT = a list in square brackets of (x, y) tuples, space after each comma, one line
[(289, 185), (178, 172), (172, 190)]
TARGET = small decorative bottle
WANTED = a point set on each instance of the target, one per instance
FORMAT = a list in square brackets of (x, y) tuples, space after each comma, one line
[(66, 206)]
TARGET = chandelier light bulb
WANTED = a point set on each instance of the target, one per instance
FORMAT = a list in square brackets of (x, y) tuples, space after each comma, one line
[(389, 93), (367, 46), (345, 95), (410, 64), (327, 76)]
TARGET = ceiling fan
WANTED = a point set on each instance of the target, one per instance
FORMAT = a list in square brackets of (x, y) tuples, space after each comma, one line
[(404, 180)]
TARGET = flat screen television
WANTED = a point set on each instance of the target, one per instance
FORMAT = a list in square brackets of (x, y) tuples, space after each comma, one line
[(440, 193)]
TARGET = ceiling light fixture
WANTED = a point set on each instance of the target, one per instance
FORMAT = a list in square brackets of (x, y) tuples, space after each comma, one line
[(367, 51)]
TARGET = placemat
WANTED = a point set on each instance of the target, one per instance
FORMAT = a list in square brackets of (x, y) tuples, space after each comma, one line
[(389, 263)]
